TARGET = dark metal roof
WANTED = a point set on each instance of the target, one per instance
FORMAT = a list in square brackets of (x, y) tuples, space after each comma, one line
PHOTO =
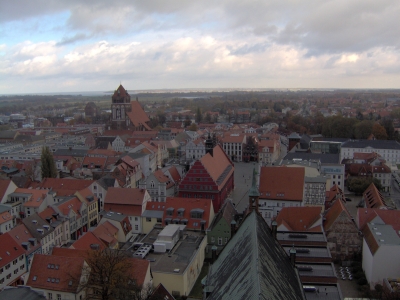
[(325, 158), (253, 266), (375, 144)]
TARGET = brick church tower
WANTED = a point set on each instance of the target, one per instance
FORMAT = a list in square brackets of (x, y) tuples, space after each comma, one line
[(121, 104)]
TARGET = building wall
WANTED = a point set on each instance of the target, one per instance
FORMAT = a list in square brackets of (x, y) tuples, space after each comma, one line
[(390, 155), (385, 263), (148, 224), (314, 194), (63, 295), (219, 236), (343, 238), (183, 283), (14, 271), (269, 208)]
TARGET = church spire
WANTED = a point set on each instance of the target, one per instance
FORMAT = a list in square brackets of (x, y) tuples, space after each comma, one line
[(254, 194)]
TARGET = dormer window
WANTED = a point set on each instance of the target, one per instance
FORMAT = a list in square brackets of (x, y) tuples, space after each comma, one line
[(197, 213), (170, 211), (181, 211)]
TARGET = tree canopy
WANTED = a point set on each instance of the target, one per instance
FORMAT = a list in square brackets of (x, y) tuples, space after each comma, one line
[(48, 167)]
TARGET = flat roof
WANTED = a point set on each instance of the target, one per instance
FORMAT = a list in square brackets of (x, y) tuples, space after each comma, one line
[(328, 292), (318, 270), (384, 234), (309, 251), (300, 236), (153, 214), (177, 260)]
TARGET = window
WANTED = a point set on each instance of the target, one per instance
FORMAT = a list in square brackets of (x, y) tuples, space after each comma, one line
[(220, 241), (50, 296), (196, 213), (148, 219), (58, 296), (136, 227), (212, 239), (8, 276)]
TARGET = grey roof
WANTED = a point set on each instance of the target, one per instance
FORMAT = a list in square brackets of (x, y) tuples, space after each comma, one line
[(317, 179), (7, 134), (375, 144), (153, 214), (106, 181), (325, 158), (32, 226), (71, 152), (135, 155), (384, 234), (112, 215), (253, 266), (329, 140), (4, 207), (294, 135), (228, 212), (21, 293)]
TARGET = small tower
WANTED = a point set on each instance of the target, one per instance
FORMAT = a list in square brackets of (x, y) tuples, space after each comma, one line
[(209, 145), (254, 194)]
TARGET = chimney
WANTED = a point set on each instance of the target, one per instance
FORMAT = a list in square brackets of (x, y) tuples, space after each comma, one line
[(274, 226), (213, 254), (233, 228), (292, 253)]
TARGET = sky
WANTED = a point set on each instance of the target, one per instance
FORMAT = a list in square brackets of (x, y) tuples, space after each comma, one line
[(87, 45)]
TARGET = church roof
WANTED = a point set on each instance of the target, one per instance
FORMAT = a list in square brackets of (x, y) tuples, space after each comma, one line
[(138, 116), (253, 266)]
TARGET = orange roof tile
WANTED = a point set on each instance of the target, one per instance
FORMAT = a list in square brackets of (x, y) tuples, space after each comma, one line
[(373, 198), (300, 218), (9, 249), (5, 217), (137, 115), (86, 240), (274, 183), (52, 272)]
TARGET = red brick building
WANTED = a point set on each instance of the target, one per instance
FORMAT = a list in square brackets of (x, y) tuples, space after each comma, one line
[(211, 177)]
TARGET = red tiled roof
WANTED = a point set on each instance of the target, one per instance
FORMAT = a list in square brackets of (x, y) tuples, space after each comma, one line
[(300, 218), (389, 217), (86, 240), (234, 138), (21, 234), (173, 171), (4, 183), (5, 217), (140, 268), (69, 252), (72, 204), (57, 184), (370, 240), (36, 199), (125, 196), (373, 198), (282, 183), (137, 115), (333, 213), (159, 175), (52, 272), (9, 249), (187, 204), (217, 164)]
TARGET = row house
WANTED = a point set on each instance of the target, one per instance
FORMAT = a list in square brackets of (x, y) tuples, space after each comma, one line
[(60, 225), (12, 263), (130, 202), (276, 192), (25, 202), (57, 276), (131, 169), (27, 241), (90, 200), (268, 151), (233, 145), (159, 186), (195, 149), (41, 231), (121, 223), (7, 220), (250, 149), (6, 187), (76, 212)]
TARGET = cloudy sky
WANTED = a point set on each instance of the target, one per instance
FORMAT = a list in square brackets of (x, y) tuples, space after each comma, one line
[(87, 45)]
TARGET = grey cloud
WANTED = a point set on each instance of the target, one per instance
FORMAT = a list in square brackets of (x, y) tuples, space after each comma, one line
[(72, 39), (246, 49)]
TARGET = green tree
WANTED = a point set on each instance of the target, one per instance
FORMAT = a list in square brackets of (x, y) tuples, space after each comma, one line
[(379, 132), (48, 165), (359, 184), (388, 125), (363, 129), (199, 116)]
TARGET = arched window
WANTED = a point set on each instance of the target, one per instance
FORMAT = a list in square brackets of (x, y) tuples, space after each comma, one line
[(152, 185)]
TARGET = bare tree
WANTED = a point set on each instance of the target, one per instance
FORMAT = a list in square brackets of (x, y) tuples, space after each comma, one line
[(109, 275)]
